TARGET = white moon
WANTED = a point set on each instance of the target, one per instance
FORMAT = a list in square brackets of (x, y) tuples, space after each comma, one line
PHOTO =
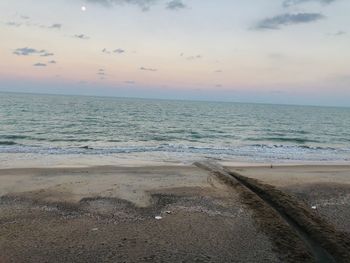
[(83, 8)]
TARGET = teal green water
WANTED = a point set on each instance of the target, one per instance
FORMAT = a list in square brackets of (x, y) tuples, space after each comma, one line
[(63, 125)]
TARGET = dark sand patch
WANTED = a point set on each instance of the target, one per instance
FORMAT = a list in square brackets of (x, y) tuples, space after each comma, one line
[(204, 225), (325, 186), (331, 200), (287, 243), (335, 242)]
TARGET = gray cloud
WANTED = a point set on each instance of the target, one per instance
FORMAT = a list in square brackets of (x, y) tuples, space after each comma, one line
[(148, 69), (55, 26), (82, 36), (119, 51), (191, 57), (129, 82), (26, 51), (175, 5), (106, 51), (288, 19), (11, 23), (194, 57), (287, 3), (102, 74), (338, 33), (218, 71), (52, 62), (31, 24), (39, 65), (143, 4), (17, 24), (46, 54)]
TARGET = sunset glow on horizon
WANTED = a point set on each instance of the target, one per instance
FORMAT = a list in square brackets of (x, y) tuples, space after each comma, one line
[(278, 51)]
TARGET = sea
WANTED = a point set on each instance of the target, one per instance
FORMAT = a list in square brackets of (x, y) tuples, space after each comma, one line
[(39, 126)]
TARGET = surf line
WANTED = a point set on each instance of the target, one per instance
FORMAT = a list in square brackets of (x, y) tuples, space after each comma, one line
[(319, 253)]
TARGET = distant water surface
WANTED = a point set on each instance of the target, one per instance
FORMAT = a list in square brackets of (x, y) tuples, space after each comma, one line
[(65, 125)]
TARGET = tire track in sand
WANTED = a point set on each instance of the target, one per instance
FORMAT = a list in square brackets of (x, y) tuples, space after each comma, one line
[(323, 243)]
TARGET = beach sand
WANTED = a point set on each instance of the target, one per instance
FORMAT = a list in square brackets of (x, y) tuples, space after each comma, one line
[(108, 213), (324, 187)]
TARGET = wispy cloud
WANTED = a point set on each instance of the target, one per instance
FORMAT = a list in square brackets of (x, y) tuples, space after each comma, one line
[(39, 65), (288, 19), (194, 57), (116, 51), (11, 23), (287, 3), (46, 54), (106, 51), (55, 26), (81, 36), (148, 69), (26, 51), (119, 51), (101, 73), (337, 34), (24, 17), (175, 5), (52, 62), (129, 82), (143, 4), (31, 24)]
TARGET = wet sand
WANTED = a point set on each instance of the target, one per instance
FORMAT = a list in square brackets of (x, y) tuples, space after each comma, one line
[(107, 214)]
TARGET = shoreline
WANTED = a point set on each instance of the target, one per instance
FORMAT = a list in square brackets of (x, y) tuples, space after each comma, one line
[(8, 161)]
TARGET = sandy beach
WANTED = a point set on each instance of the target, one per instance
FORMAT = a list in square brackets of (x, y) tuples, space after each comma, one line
[(161, 214), (174, 131), (326, 187)]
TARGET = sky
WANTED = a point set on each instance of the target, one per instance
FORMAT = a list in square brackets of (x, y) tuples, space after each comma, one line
[(265, 51)]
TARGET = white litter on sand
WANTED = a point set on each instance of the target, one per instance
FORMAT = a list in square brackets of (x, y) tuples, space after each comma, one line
[(158, 217)]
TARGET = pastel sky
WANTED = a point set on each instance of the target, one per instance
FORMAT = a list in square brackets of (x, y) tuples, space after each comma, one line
[(270, 51)]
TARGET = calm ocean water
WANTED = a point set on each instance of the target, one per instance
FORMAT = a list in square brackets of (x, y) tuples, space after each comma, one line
[(66, 125)]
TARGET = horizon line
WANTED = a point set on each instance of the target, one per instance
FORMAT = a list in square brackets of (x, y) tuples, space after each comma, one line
[(169, 99)]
